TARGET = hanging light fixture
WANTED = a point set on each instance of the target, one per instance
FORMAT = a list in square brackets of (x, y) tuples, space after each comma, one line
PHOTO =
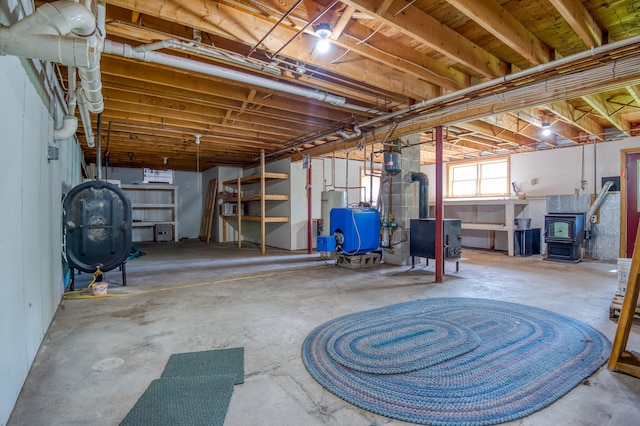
[(323, 31), (546, 129)]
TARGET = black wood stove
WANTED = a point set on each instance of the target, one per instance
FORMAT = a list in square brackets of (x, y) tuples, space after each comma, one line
[(564, 233)]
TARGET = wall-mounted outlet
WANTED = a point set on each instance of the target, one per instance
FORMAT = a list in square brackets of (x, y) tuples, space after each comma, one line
[(594, 219)]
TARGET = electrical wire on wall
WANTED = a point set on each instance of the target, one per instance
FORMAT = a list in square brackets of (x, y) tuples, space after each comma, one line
[(404, 239)]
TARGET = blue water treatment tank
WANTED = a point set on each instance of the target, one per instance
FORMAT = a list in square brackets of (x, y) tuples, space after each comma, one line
[(356, 230)]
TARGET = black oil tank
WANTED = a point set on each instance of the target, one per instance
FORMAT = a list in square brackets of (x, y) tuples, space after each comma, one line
[(96, 226)]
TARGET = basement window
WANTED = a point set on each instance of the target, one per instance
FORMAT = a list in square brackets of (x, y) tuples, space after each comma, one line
[(370, 186), (486, 178)]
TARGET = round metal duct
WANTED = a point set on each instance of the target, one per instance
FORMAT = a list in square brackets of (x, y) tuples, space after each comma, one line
[(97, 226)]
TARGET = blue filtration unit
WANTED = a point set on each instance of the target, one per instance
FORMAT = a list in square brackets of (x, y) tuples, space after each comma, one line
[(356, 230)]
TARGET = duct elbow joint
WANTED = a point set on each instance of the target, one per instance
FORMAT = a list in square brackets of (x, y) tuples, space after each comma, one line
[(68, 129), (419, 177)]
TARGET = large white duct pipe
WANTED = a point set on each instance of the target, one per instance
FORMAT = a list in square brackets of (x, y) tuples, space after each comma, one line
[(124, 50), (90, 78), (83, 107), (69, 121), (68, 129), (45, 35), (207, 51)]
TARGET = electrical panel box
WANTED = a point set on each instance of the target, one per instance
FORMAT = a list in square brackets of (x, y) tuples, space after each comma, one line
[(163, 232)]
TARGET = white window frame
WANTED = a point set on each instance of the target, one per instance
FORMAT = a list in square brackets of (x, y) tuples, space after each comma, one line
[(365, 181), (478, 179)]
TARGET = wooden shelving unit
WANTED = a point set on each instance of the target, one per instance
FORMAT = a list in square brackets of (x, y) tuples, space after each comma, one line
[(152, 204), (262, 197)]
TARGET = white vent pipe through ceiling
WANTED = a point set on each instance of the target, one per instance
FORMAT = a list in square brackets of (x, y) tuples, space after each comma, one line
[(68, 33)]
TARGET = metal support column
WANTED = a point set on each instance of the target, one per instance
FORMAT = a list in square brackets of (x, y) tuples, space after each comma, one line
[(439, 208)]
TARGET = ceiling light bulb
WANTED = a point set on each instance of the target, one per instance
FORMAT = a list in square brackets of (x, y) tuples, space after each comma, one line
[(546, 129), (323, 45), (323, 31)]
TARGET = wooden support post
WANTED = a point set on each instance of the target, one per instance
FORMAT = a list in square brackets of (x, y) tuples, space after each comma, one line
[(621, 359)]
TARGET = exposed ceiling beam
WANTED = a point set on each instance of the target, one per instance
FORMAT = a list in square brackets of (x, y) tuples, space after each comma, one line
[(173, 85), (600, 104), (227, 117), (577, 118), (339, 27), (427, 30), (226, 21), (579, 18), (358, 39), (514, 124), (384, 6), (634, 91), (495, 132), (559, 127), (501, 24)]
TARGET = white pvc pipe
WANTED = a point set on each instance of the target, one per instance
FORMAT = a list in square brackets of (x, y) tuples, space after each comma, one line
[(68, 129), (72, 102), (83, 107), (44, 35), (124, 50), (90, 77), (202, 50)]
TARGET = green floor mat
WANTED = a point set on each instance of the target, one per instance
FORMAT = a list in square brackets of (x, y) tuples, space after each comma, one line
[(183, 401), (207, 363)]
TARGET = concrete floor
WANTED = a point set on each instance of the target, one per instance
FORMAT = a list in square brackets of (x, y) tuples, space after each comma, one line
[(99, 355)]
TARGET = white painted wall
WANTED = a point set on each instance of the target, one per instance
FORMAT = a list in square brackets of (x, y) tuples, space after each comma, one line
[(31, 190)]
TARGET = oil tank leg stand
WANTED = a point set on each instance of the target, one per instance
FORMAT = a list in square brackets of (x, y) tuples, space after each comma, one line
[(72, 279), (124, 273)]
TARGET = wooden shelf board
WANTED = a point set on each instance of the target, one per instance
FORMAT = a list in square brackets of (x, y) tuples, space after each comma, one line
[(267, 219), (256, 178), (152, 223), (267, 197), (484, 226)]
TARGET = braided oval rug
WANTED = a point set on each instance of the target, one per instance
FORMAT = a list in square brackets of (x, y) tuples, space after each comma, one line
[(453, 361)]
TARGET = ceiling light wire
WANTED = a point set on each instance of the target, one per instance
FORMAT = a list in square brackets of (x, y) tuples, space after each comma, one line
[(282, 18), (364, 40)]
